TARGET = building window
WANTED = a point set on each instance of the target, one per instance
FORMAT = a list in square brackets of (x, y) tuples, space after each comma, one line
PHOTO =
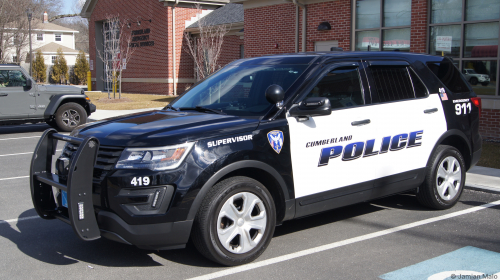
[(39, 36), (14, 59), (386, 21), (467, 30), (54, 58), (58, 37)]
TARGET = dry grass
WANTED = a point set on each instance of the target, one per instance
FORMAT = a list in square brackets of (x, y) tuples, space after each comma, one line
[(490, 155), (128, 101)]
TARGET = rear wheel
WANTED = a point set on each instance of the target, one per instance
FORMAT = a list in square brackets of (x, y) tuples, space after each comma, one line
[(235, 222), (445, 179), (70, 115)]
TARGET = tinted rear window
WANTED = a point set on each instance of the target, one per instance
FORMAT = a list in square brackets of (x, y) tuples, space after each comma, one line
[(449, 76)]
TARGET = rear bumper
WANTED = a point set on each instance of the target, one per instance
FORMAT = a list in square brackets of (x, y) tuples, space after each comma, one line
[(160, 236)]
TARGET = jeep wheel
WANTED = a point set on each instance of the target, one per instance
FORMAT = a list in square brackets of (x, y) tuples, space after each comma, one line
[(235, 222), (69, 116), (445, 179), (473, 81)]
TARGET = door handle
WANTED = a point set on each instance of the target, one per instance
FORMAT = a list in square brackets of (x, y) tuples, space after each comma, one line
[(4, 94), (367, 121), (430, 111)]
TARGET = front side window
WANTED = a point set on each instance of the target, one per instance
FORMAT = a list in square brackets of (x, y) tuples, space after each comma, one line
[(240, 90), (12, 78), (341, 86)]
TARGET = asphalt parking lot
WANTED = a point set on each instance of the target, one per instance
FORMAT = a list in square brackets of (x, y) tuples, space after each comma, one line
[(390, 238)]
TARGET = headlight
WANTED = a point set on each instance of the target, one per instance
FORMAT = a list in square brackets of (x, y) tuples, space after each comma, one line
[(160, 158)]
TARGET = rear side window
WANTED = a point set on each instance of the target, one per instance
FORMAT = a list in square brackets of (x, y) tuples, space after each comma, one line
[(393, 83), (449, 76)]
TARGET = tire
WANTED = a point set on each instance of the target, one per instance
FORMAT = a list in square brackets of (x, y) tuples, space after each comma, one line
[(444, 180), (473, 81), (485, 83), (222, 229), (70, 115)]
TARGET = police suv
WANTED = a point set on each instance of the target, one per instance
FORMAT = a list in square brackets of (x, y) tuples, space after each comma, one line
[(262, 141)]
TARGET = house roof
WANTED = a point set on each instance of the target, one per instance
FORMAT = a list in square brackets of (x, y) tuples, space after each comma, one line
[(38, 25), (53, 47), (230, 13), (49, 26)]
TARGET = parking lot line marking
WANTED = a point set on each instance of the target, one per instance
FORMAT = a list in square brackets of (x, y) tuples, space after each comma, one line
[(18, 220), (18, 154), (19, 138), (342, 243), (12, 178)]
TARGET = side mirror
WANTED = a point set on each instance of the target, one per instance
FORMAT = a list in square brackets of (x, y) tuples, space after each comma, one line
[(312, 106), (28, 83), (275, 94)]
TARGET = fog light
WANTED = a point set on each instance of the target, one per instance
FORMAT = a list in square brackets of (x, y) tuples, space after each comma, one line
[(81, 215), (155, 199)]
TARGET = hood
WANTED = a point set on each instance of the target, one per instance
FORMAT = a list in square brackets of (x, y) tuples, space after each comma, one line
[(60, 89), (162, 128)]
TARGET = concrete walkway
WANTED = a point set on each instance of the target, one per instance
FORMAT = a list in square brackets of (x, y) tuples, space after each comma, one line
[(104, 114), (478, 178), (483, 178)]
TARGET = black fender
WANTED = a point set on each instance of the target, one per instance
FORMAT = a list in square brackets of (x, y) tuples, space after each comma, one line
[(57, 100), (233, 167), (443, 141)]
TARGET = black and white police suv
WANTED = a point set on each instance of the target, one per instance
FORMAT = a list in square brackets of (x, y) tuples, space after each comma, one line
[(262, 141)]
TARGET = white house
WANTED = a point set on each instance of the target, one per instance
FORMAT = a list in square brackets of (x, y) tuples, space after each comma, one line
[(49, 37)]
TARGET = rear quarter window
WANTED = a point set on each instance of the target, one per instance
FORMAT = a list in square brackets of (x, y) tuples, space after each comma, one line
[(449, 75)]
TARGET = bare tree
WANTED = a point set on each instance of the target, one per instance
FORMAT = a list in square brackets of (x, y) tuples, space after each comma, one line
[(14, 25), (205, 47), (117, 51)]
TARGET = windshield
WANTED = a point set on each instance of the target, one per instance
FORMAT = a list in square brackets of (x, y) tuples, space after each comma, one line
[(240, 90)]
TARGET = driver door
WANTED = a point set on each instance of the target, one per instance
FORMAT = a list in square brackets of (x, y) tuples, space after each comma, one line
[(16, 100), (326, 150)]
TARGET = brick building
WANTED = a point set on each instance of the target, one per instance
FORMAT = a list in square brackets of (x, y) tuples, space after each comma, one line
[(466, 30), (159, 28)]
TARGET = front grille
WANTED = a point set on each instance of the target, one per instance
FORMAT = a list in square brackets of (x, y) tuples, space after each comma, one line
[(106, 160)]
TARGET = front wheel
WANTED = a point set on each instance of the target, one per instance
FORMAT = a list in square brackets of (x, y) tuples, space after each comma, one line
[(70, 115), (473, 81), (235, 222), (445, 179)]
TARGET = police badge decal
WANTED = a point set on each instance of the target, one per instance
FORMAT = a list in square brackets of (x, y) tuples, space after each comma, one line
[(275, 138)]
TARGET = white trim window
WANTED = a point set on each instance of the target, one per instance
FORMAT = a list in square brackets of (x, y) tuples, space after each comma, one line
[(58, 37), (54, 58), (39, 37)]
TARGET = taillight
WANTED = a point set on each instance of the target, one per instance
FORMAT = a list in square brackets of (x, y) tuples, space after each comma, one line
[(477, 101)]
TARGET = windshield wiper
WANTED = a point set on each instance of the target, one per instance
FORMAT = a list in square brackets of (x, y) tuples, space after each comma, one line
[(202, 109), (170, 107)]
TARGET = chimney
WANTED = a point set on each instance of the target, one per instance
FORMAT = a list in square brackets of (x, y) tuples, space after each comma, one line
[(45, 17)]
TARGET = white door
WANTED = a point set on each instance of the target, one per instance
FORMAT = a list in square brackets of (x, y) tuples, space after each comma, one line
[(326, 149)]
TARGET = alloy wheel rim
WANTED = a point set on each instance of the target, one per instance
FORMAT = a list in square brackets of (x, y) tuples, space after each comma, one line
[(449, 178), (70, 118), (241, 222)]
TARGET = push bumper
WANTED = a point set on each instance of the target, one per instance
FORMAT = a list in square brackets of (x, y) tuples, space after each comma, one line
[(80, 213)]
